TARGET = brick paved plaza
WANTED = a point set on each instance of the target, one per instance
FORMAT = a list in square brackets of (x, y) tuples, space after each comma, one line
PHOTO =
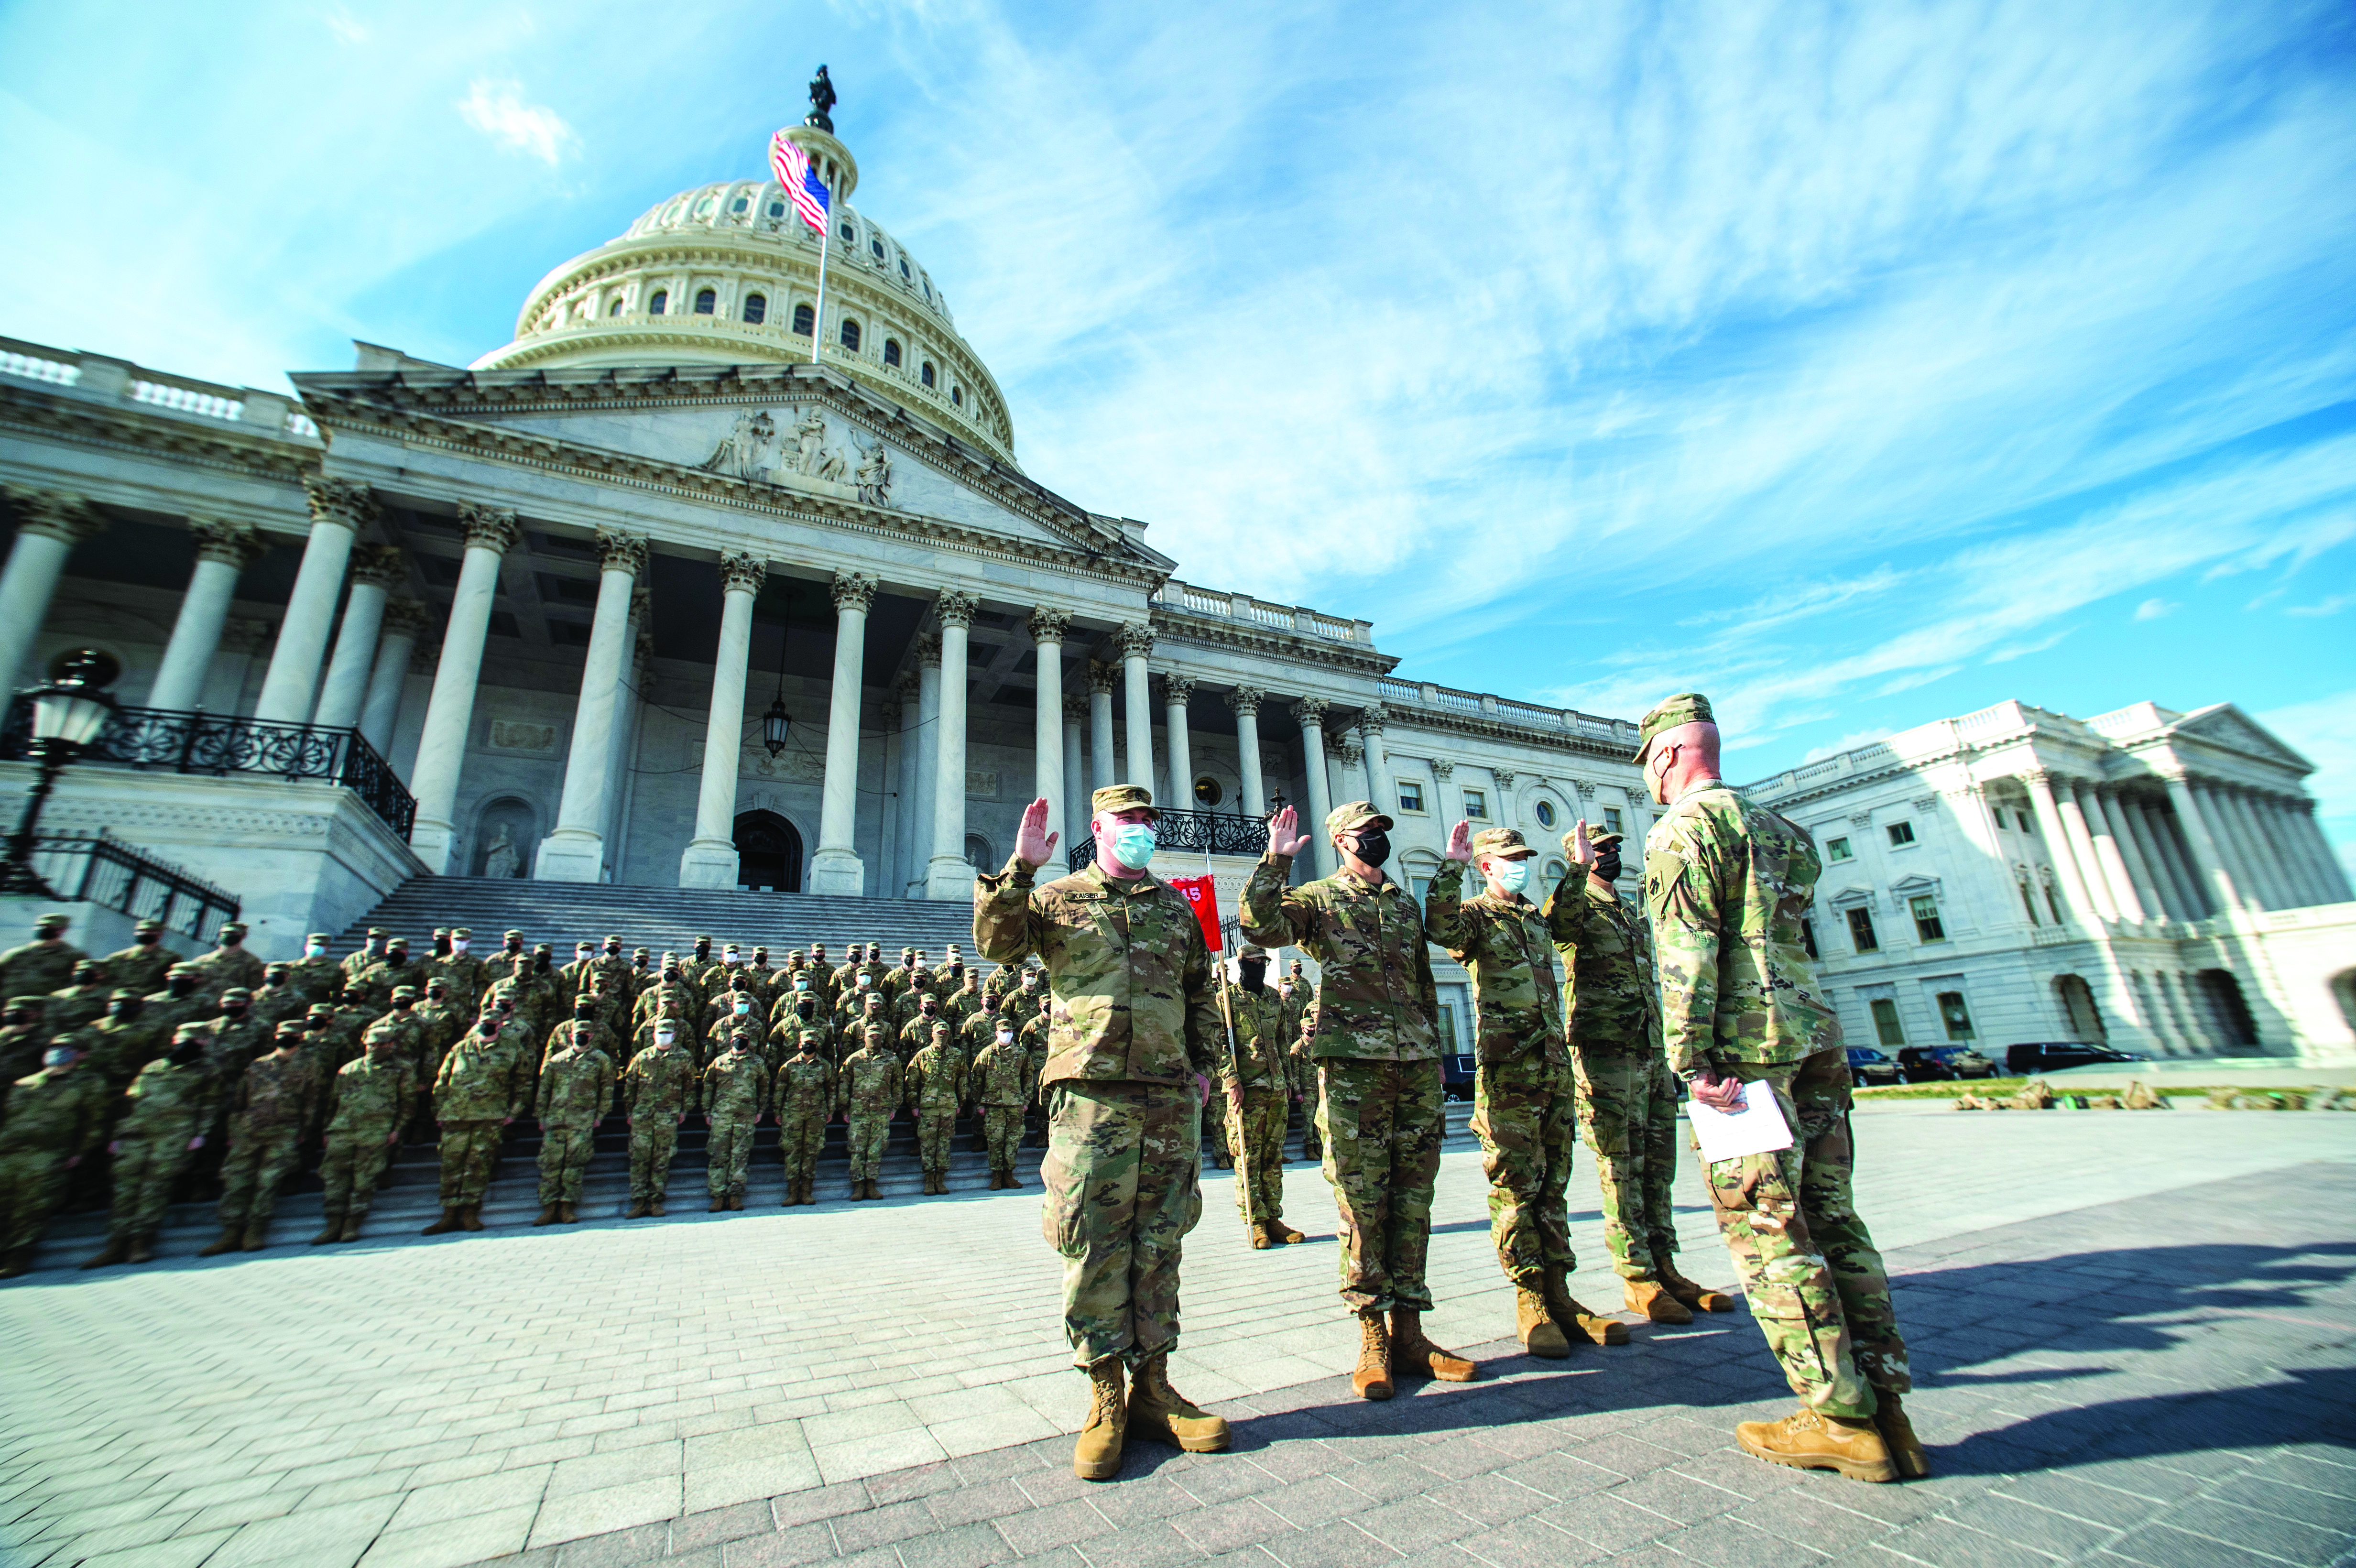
[(2132, 1337)]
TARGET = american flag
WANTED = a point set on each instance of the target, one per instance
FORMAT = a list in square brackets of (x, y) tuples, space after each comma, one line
[(792, 167)]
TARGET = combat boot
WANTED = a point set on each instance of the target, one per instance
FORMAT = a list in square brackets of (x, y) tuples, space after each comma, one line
[(351, 1229), (470, 1217), (1573, 1318), (858, 1189), (637, 1209), (230, 1240), (719, 1204), (1097, 1456), (1535, 1330), (142, 1252), (1261, 1240), (333, 1230), (257, 1236), (444, 1225), (1013, 1179), (655, 1207), (1418, 1357), (1160, 1412), (1285, 1234), (117, 1251), (1807, 1440), (16, 1261), (1906, 1450), (1690, 1295), (547, 1215), (567, 1215), (736, 1201), (1372, 1380), (1653, 1300), (873, 1191)]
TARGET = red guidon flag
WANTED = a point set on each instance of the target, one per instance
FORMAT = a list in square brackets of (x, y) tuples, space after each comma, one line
[(1203, 898)]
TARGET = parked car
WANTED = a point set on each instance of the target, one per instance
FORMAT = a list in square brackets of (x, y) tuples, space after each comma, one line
[(2052, 1056), (1868, 1066), (1456, 1079), (1937, 1063)]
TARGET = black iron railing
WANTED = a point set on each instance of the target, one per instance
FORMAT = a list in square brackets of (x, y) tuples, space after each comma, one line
[(1193, 833), (107, 871), (219, 744)]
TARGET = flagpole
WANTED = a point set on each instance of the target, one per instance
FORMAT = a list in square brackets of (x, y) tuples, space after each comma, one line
[(818, 318), (1235, 1140)]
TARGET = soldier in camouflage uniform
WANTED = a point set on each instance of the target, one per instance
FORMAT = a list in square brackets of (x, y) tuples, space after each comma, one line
[(1257, 1094), (1727, 885), (804, 1098), (1627, 1096), (24, 1037), (915, 1030), (1035, 1034), (735, 1094), (114, 1048), (315, 974), (1136, 1030), (485, 1083), (278, 1000), (141, 966), (182, 1000), (1377, 1050), (657, 1092), (463, 973), (43, 964), (268, 1111), (933, 1085), (371, 949), (75, 1004), (367, 1104), (56, 1116), (868, 1089), (576, 1090), (229, 964), (171, 1106), (1000, 1083), (441, 1017)]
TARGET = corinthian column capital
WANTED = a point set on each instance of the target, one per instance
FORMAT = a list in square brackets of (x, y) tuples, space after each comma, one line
[(340, 501), (956, 609), (378, 566), (1310, 709), (1177, 690), (229, 543), (620, 551), (1136, 640), (741, 572), (853, 592), (490, 527), (55, 513)]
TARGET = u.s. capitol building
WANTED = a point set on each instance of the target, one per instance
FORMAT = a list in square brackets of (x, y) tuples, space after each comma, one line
[(646, 596)]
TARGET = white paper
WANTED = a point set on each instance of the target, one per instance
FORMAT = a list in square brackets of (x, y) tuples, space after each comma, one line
[(1758, 1128)]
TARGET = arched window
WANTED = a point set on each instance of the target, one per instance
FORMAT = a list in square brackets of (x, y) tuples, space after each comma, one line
[(850, 335), (776, 209), (615, 308), (704, 300), (740, 204), (904, 268), (1545, 813), (803, 320), (875, 243), (656, 305), (756, 309), (957, 396), (926, 375), (847, 234), (891, 351)]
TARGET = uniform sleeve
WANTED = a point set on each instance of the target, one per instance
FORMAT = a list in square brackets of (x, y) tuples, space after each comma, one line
[(405, 1090), (1269, 913), (1570, 916), (1683, 901), (1206, 1032), (1446, 921), (540, 1104), (1003, 926)]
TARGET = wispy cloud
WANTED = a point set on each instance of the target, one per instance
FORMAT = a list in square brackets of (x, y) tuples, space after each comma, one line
[(497, 110), (2321, 607), (2154, 609)]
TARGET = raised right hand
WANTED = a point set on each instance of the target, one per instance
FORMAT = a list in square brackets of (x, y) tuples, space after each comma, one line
[(1034, 844), (1575, 845), (1284, 835)]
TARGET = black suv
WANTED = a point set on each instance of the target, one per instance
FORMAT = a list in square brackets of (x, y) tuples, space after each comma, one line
[(1868, 1066), (1457, 1071), (1933, 1063), (2052, 1056)]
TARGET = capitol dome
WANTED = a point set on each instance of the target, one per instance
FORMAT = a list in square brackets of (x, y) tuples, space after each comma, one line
[(727, 275)]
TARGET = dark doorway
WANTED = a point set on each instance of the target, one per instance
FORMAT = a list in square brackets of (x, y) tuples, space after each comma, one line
[(2229, 1010), (768, 853)]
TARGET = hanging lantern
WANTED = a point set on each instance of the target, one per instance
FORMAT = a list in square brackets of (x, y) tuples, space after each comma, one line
[(776, 724)]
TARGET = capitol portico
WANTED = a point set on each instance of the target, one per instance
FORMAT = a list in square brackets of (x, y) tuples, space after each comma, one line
[(646, 596)]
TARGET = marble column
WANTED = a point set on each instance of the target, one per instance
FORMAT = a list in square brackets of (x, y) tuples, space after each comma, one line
[(2123, 896), (2134, 827), (838, 870), (1137, 706), (223, 550), (1379, 788), (1443, 790), (1244, 701), (710, 859), (2081, 840), (621, 775), (1353, 758), (338, 511), (2285, 825), (2225, 826), (1177, 691), (396, 645), (1103, 767), (377, 570), (576, 850), (49, 523), (903, 863), (1047, 629), (2040, 785), (2328, 871), (2250, 810), (950, 875), (1311, 712), (1073, 822), (2208, 855), (450, 712), (2159, 818), (928, 761)]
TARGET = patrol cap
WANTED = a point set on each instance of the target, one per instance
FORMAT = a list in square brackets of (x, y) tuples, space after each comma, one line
[(189, 1032), (940, 1031), (1684, 708), (1506, 843), (1124, 797), (320, 1012), (123, 994), (277, 967), (441, 931), (372, 931), (232, 928), (53, 922), (88, 967), (289, 1028), (380, 1034), (810, 1037), (237, 994), (179, 970), (322, 938), (458, 931), (642, 952), (1353, 815), (543, 947), (613, 940), (144, 926), (1251, 950), (585, 946), (438, 983), (512, 936), (1605, 840), (401, 991), (400, 941)]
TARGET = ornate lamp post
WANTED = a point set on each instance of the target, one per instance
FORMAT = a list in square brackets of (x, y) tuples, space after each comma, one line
[(776, 723), (68, 714)]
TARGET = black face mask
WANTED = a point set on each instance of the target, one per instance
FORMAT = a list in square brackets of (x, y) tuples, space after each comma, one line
[(180, 987), (186, 1052), (150, 939), (126, 1010), (1373, 846), (540, 964), (397, 958), (232, 1010), (1255, 977), (1607, 865)]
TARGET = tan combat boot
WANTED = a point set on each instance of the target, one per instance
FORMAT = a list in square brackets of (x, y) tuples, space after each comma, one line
[(1013, 1179), (1261, 1240), (470, 1217), (1372, 1378), (1285, 1234), (351, 1229), (16, 1261), (567, 1215), (637, 1209), (1535, 1330), (858, 1188), (1416, 1355), (332, 1230), (547, 1215), (736, 1201), (1690, 1295), (997, 1180), (1160, 1412), (1906, 1450), (230, 1240), (1573, 1318), (1097, 1456), (257, 1236), (1653, 1300), (141, 1250), (873, 1190), (1807, 1440), (719, 1204), (448, 1223), (116, 1250), (655, 1208)]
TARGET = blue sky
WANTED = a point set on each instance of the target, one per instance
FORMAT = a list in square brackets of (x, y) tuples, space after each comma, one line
[(1858, 364)]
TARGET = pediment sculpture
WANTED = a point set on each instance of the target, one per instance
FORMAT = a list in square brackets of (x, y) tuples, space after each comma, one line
[(753, 449)]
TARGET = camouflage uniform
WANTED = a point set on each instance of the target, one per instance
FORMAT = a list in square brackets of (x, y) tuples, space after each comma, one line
[(229, 965), (868, 1089), (171, 1103), (278, 1000), (1306, 1084), (735, 1092), (933, 1085), (267, 1117), (576, 1090), (141, 966), (1627, 1098), (71, 1007), (315, 977), (367, 1103), (164, 1013), (485, 1082), (54, 1115), (22, 1045), (117, 1046), (657, 1091), (1377, 1050), (1258, 1101), (1000, 1084), (1134, 1027), (1035, 1034), (44, 965), (804, 1098), (1727, 884)]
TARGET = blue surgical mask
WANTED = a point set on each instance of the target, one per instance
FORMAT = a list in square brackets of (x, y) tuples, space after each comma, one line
[(1511, 875), (1132, 844)]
